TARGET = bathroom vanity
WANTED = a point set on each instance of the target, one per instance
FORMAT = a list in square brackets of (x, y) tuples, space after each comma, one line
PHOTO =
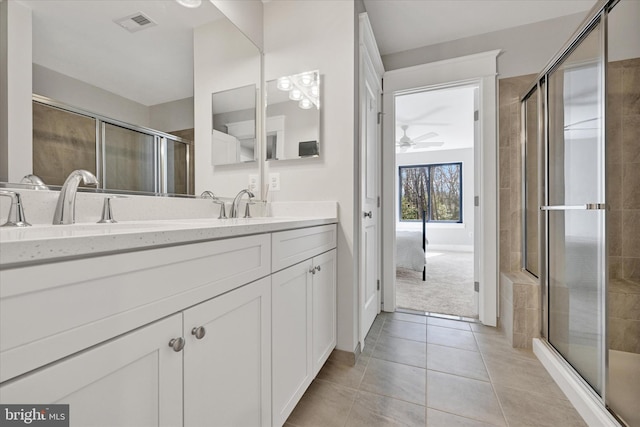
[(182, 322)]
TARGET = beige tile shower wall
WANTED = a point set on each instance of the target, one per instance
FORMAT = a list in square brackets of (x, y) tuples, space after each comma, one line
[(623, 169), (510, 173)]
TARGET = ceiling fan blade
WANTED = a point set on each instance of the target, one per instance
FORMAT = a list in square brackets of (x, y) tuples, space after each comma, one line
[(424, 136), (429, 124), (427, 144)]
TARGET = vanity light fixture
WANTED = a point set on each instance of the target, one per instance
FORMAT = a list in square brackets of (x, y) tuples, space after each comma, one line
[(306, 79), (305, 103), (295, 94), (284, 83), (189, 3), (303, 87)]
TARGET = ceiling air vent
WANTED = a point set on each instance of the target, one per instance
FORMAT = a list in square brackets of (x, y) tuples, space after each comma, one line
[(136, 22)]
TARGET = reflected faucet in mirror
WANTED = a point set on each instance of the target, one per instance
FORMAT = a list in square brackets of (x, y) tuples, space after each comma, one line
[(209, 195), (66, 207), (35, 180)]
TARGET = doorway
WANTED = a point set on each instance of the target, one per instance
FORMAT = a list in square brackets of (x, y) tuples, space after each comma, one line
[(478, 69), (434, 151)]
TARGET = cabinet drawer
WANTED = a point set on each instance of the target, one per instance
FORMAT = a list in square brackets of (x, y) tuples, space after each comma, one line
[(54, 310), (293, 246)]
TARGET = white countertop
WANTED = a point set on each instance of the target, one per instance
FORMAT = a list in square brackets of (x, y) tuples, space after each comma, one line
[(52, 243)]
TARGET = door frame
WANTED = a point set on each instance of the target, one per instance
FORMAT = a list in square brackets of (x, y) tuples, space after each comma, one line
[(369, 65), (480, 69)]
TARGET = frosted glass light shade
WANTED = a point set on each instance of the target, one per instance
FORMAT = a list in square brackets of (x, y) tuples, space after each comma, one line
[(189, 3), (284, 83), (295, 94), (305, 103)]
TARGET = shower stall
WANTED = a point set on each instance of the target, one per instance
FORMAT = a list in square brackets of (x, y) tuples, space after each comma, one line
[(581, 147)]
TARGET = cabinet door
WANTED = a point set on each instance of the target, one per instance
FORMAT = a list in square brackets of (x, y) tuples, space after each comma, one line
[(324, 308), (133, 380), (227, 372), (292, 370)]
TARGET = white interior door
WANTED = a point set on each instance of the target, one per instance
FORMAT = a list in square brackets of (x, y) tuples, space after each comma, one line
[(477, 213), (370, 100)]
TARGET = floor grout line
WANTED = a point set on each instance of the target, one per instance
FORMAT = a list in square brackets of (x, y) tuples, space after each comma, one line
[(493, 388)]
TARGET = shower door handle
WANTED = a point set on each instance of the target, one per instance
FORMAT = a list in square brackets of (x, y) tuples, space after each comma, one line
[(587, 207)]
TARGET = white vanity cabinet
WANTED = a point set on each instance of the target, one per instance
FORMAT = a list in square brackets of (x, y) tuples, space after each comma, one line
[(227, 359), (216, 332), (137, 379), (133, 380), (304, 312)]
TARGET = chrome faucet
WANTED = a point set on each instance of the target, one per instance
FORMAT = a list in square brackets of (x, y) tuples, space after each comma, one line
[(236, 202), (35, 180), (66, 208), (209, 195), (16, 216)]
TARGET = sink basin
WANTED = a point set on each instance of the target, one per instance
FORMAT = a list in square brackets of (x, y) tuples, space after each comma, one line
[(39, 232)]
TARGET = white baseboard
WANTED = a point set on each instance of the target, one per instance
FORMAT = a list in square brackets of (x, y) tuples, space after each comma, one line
[(450, 248), (579, 394)]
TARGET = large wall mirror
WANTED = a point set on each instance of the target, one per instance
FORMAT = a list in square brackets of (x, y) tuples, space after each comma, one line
[(293, 116), (113, 85)]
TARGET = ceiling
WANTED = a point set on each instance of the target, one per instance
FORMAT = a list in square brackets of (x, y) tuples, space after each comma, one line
[(436, 116), (401, 25), (78, 38)]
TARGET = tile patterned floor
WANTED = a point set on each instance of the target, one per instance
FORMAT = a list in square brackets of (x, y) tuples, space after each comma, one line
[(426, 371)]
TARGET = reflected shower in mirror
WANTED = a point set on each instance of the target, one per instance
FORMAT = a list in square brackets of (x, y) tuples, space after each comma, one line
[(234, 126), (293, 116)]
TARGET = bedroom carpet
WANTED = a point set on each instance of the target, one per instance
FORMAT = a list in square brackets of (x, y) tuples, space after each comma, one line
[(447, 290)]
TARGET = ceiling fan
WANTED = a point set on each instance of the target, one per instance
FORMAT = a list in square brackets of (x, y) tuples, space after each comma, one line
[(405, 142)]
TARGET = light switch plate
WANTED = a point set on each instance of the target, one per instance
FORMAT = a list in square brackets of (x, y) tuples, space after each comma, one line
[(274, 182)]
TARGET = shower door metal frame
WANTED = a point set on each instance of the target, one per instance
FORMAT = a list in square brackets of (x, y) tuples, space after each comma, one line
[(159, 146)]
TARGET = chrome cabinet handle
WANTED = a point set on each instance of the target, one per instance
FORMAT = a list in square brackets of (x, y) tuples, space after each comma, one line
[(318, 268), (199, 332), (177, 344), (312, 270), (368, 214)]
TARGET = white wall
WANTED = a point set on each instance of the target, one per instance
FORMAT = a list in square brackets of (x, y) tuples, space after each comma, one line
[(310, 35), (166, 117), (444, 236), (76, 93), (525, 49), (299, 125), (15, 91), (172, 116), (246, 15), (223, 59), (624, 31)]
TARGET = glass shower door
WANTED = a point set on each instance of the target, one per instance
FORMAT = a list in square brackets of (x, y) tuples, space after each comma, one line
[(575, 215)]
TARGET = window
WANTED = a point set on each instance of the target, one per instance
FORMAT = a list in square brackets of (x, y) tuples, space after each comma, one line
[(436, 189)]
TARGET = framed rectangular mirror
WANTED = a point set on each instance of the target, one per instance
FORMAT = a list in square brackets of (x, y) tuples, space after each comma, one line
[(293, 117)]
